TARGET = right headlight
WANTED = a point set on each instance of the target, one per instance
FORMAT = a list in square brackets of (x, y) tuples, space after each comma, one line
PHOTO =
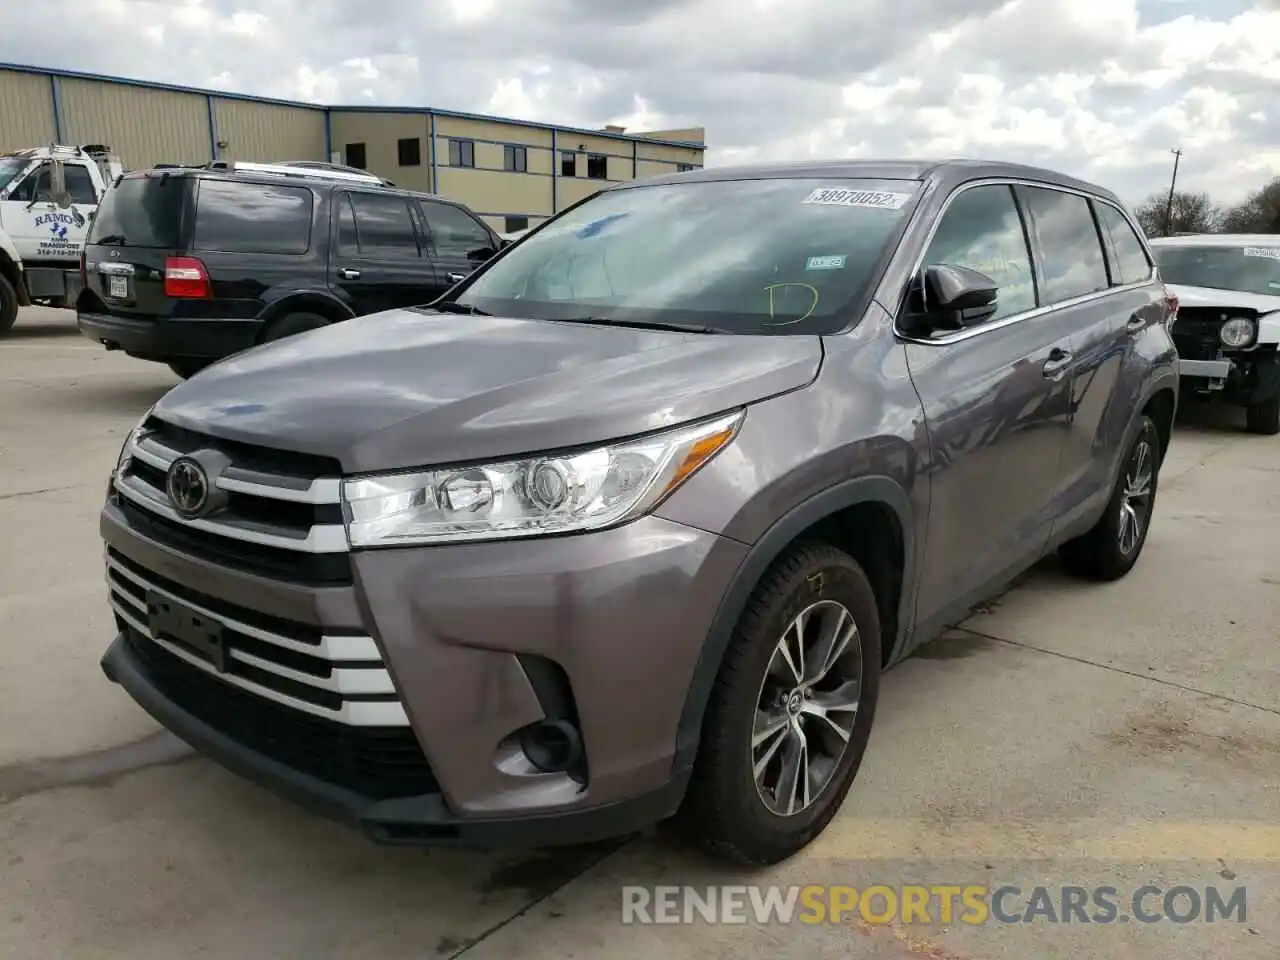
[(1238, 332), (554, 493)]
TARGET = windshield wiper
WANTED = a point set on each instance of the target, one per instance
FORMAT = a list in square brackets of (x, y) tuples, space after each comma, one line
[(639, 324), (116, 238), (453, 306)]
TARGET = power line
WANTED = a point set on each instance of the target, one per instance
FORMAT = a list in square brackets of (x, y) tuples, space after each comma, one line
[(1168, 207)]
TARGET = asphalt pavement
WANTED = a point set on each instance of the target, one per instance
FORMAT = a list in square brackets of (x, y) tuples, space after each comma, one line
[(1067, 734)]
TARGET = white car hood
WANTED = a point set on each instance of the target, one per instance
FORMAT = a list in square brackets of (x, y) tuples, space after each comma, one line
[(1226, 299)]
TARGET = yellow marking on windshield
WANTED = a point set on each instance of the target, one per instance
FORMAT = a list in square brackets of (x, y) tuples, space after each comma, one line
[(792, 283)]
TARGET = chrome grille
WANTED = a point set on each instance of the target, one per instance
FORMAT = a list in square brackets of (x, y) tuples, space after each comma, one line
[(339, 677)]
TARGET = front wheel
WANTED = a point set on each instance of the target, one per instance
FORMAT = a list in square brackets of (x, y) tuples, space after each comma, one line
[(8, 305), (1111, 548), (1264, 417), (791, 710)]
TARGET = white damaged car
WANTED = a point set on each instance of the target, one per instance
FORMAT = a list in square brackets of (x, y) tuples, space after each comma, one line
[(1228, 325)]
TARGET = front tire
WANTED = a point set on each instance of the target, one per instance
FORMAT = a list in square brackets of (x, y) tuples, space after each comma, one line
[(1112, 547), (1264, 417), (8, 305), (791, 711)]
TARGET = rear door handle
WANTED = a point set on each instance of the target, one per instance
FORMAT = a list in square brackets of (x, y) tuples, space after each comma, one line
[(348, 273), (1056, 363), (456, 277)]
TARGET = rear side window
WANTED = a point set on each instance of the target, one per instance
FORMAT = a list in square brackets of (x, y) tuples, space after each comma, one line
[(376, 226), (1071, 250), (981, 230), (141, 212), (235, 217), (1130, 263)]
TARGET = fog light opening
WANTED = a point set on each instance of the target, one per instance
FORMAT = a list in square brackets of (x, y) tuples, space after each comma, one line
[(553, 746)]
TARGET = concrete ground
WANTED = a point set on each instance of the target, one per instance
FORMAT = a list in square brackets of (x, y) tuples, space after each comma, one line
[(1068, 734)]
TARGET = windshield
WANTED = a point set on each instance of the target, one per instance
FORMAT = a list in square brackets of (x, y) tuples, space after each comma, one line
[(775, 256), (140, 212), (1246, 269), (10, 167)]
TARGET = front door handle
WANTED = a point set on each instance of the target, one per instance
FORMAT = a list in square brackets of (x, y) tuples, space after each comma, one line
[(349, 273), (456, 277), (1056, 363)]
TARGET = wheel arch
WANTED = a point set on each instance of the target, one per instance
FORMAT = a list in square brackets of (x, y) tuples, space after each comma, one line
[(306, 301), (11, 269), (854, 516)]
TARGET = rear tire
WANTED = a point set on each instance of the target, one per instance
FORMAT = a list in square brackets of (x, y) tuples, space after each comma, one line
[(291, 324), (737, 806), (1112, 547), (188, 368), (1264, 417), (8, 305)]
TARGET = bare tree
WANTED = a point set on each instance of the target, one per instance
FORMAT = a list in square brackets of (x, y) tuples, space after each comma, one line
[(1259, 213), (1191, 213)]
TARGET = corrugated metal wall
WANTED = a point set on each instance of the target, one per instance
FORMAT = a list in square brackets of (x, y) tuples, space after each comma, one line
[(380, 133), (26, 110), (141, 125), (266, 132)]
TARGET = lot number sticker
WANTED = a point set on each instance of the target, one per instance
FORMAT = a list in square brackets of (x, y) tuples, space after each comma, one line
[(1269, 253), (825, 263), (843, 197)]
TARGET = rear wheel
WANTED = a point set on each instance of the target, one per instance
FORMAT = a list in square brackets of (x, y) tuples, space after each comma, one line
[(1111, 548), (291, 324), (791, 710), (1264, 417), (8, 305)]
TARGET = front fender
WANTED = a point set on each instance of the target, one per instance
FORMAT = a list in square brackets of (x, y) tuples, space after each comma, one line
[(10, 249)]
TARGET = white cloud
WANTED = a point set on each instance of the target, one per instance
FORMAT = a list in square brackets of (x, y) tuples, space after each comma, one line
[(1103, 89)]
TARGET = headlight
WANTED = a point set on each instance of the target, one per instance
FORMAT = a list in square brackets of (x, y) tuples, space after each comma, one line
[(1237, 332), (556, 493)]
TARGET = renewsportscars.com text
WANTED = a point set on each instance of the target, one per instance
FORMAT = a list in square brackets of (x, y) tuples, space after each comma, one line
[(932, 903)]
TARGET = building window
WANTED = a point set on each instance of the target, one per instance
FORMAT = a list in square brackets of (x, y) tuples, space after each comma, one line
[(568, 164), (462, 153), (597, 166), (354, 153), (515, 223), (410, 152), (515, 159), (685, 167)]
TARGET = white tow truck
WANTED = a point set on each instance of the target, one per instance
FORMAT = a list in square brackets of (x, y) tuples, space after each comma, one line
[(48, 195)]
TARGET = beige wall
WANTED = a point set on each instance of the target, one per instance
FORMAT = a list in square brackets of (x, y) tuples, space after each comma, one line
[(380, 132), (142, 126), (266, 132), (26, 110)]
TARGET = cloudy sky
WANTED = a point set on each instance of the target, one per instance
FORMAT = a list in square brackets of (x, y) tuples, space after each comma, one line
[(1099, 88)]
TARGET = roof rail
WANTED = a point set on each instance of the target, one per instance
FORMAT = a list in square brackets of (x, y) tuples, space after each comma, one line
[(281, 169)]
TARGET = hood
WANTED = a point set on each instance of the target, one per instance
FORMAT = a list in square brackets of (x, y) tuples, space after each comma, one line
[(1223, 299), (407, 388)]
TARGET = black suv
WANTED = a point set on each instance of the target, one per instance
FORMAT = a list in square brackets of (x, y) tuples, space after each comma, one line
[(188, 265)]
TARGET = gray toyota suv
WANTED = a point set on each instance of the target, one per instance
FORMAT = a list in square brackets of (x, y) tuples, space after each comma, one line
[(627, 525)]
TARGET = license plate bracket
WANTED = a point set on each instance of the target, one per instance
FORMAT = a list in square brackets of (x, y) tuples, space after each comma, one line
[(118, 287), (188, 629)]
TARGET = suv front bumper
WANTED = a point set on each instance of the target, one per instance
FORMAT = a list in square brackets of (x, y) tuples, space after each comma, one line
[(622, 613)]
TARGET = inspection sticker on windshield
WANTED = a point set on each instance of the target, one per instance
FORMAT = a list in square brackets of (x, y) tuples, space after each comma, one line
[(825, 263), (1270, 253), (844, 197)]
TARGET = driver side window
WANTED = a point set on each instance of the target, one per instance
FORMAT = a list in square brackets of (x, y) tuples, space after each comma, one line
[(35, 186), (982, 230)]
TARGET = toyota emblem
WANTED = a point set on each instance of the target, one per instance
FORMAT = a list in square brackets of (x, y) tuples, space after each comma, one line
[(188, 487)]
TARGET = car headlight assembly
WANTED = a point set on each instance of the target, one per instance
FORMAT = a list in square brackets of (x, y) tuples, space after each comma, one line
[(570, 492), (1238, 332)]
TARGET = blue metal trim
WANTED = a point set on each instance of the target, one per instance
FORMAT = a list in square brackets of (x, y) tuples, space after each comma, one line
[(213, 128), (359, 108), (55, 91), (435, 160), (328, 135), (555, 175)]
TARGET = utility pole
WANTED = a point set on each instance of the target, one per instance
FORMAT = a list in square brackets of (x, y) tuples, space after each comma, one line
[(1168, 207)]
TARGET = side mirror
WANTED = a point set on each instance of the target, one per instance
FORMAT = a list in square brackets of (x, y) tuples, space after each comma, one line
[(956, 297)]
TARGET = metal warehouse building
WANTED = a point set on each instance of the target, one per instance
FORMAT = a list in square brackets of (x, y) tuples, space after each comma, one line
[(511, 172)]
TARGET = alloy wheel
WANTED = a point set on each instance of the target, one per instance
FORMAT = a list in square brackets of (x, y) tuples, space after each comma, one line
[(1135, 497), (806, 708)]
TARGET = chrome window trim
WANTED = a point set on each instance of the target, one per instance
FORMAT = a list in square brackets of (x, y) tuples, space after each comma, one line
[(968, 334)]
